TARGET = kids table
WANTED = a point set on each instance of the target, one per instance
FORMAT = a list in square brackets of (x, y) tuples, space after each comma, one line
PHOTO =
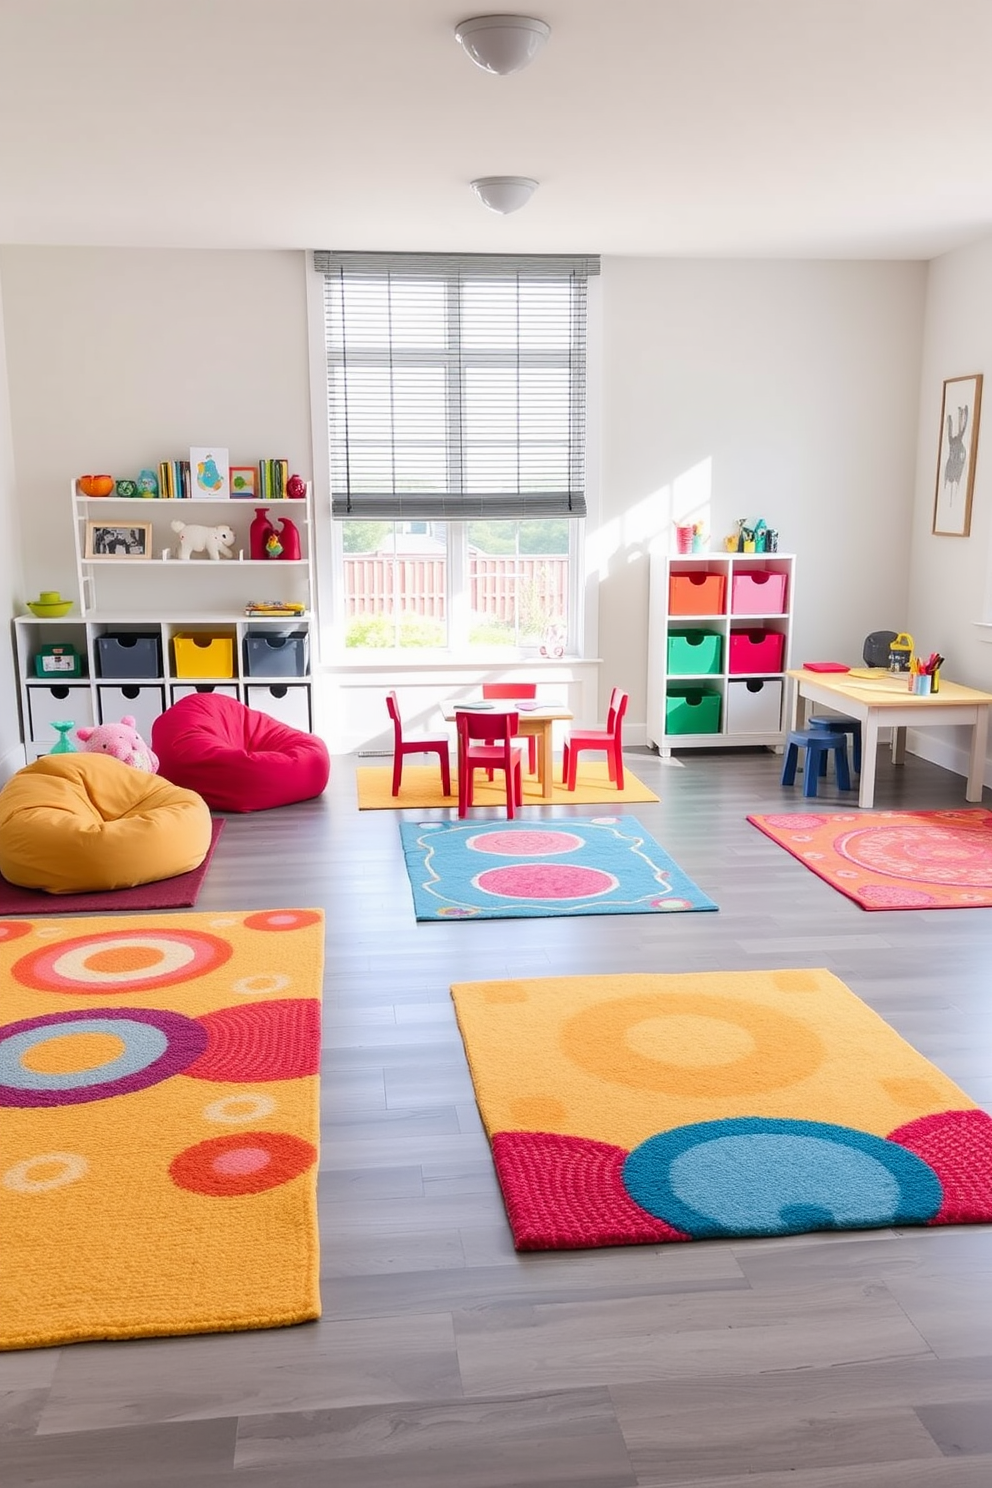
[(886, 702)]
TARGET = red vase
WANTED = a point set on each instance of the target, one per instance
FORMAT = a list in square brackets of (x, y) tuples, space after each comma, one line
[(290, 538), (258, 533)]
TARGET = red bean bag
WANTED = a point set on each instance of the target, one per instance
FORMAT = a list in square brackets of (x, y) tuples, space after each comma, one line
[(236, 758)]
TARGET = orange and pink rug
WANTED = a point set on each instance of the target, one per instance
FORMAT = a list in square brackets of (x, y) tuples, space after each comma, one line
[(894, 859)]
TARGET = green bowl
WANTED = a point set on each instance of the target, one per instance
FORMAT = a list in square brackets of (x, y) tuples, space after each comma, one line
[(50, 611)]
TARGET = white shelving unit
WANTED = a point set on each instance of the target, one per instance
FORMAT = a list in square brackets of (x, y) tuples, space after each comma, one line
[(742, 669), (150, 601)]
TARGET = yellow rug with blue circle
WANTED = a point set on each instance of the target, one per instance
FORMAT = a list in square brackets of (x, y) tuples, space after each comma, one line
[(159, 1095), (638, 1109)]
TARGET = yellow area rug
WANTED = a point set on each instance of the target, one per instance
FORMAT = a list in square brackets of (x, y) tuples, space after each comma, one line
[(638, 1109), (159, 1094), (421, 788)]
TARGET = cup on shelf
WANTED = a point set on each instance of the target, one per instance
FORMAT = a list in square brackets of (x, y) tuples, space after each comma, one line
[(683, 539)]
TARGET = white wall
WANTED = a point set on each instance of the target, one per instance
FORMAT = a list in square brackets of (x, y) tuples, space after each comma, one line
[(120, 358), (12, 592), (791, 389), (782, 390), (950, 586)]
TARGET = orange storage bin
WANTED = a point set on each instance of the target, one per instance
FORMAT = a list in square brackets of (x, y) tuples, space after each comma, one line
[(697, 593)]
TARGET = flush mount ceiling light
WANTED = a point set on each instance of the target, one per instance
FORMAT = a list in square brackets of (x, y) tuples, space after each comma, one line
[(504, 194), (502, 43)]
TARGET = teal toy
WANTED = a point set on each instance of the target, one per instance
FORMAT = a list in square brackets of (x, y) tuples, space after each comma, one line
[(147, 483), (65, 745)]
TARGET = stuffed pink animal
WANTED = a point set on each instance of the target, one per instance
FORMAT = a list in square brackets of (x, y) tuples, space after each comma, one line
[(120, 740)]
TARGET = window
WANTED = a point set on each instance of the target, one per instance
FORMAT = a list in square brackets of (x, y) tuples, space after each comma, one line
[(456, 435)]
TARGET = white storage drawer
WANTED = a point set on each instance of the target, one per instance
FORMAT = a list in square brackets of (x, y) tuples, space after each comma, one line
[(287, 703), (754, 707), (58, 703), (144, 704), (181, 690)]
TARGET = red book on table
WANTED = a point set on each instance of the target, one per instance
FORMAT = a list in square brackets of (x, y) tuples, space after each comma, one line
[(825, 666)]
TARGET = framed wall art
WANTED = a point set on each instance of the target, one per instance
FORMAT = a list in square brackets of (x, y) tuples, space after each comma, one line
[(118, 540), (208, 474), (960, 412), (243, 482)]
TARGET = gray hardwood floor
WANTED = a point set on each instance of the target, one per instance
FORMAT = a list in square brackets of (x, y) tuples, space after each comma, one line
[(445, 1359)]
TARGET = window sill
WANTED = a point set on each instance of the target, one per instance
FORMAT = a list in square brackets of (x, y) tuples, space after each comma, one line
[(371, 661)]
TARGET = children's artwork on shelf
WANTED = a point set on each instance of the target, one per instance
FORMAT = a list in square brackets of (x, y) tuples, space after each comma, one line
[(243, 482), (209, 472)]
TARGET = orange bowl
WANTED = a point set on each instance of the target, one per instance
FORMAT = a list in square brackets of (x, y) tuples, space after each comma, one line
[(96, 485)]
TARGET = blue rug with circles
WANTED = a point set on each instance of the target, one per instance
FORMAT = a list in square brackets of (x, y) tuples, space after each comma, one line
[(508, 870)]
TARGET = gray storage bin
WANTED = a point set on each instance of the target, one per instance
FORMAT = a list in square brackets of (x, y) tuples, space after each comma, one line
[(129, 654), (268, 655)]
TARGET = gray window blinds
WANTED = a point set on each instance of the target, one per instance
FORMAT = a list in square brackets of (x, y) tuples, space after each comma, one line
[(456, 384)]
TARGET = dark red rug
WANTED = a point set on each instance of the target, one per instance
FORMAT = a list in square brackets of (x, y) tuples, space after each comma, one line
[(168, 893)]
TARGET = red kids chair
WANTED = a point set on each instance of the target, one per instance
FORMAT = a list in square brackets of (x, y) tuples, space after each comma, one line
[(486, 742), (526, 692), (416, 744), (607, 739)]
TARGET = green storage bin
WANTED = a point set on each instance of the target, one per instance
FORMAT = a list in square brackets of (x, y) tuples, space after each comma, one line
[(692, 710), (695, 653)]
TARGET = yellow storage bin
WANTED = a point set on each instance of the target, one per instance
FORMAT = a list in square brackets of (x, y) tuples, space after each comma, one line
[(204, 655)]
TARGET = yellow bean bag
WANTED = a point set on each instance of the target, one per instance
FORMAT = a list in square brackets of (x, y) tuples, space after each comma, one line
[(71, 823)]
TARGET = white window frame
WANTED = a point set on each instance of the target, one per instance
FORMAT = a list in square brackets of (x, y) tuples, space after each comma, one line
[(330, 617)]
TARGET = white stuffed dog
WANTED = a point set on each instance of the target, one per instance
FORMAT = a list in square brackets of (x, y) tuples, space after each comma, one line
[(216, 542)]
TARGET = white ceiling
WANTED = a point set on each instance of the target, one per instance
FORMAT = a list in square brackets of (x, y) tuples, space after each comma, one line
[(730, 128)]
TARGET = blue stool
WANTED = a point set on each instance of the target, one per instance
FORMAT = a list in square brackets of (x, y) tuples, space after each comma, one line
[(839, 724), (818, 743)]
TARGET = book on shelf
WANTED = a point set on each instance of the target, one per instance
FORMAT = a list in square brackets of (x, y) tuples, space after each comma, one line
[(173, 480), (273, 477)]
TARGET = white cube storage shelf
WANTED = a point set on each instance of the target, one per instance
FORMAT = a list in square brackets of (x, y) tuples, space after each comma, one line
[(199, 597), (745, 601), (289, 702), (143, 704), (754, 706), (49, 703), (184, 689)]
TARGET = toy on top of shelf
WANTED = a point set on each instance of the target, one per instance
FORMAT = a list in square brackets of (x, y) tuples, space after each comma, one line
[(273, 547), (147, 483), (216, 542), (127, 487), (120, 740)]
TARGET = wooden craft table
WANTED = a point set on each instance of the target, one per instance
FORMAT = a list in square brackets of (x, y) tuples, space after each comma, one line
[(886, 702), (537, 721)]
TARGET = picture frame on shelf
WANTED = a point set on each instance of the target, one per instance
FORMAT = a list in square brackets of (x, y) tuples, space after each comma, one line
[(960, 414), (209, 473), (118, 540), (243, 480)]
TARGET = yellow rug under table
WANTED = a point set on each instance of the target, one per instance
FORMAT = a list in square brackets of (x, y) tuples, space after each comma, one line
[(421, 788), (159, 1086)]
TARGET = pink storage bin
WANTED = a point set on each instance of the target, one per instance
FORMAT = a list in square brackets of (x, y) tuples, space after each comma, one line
[(756, 651), (758, 593)]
